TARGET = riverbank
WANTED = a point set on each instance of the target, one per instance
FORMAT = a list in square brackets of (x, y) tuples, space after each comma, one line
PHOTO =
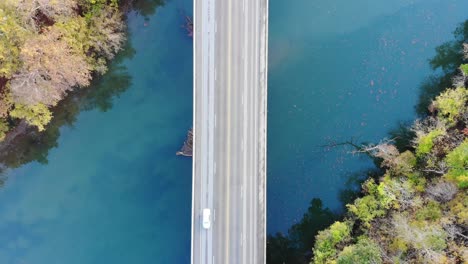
[(421, 179)]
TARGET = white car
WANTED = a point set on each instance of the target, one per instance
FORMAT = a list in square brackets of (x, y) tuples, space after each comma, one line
[(206, 218)]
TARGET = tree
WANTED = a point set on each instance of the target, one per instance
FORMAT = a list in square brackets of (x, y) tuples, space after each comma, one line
[(451, 104), (429, 240), (97, 38), (38, 13), (425, 142), (4, 127), (457, 160), (325, 248), (442, 191), (50, 69), (11, 38), (37, 115), (384, 150), (365, 251)]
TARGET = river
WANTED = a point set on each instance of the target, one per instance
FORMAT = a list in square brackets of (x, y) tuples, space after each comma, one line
[(103, 185)]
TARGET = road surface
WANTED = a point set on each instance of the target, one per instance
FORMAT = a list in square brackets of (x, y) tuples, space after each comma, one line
[(229, 162)]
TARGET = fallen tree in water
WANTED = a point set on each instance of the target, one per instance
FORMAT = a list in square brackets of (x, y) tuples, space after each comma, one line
[(187, 148)]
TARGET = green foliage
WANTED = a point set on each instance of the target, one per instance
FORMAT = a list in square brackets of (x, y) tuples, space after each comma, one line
[(464, 69), (366, 209), (374, 204), (37, 115), (457, 160), (426, 142), (398, 245), (92, 8), (327, 240), (451, 104), (459, 208), (417, 181), (403, 164), (4, 127), (430, 212), (11, 37), (75, 32), (97, 38), (365, 251)]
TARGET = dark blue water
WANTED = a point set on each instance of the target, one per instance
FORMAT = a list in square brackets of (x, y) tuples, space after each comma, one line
[(109, 188), (342, 70)]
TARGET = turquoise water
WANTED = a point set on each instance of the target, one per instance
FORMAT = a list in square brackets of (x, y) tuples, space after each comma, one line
[(342, 70), (113, 190), (108, 187)]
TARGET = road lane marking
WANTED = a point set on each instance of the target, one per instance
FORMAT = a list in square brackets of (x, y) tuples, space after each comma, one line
[(228, 165), (244, 142)]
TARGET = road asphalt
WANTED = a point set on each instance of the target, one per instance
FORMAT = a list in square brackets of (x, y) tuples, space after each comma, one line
[(229, 157)]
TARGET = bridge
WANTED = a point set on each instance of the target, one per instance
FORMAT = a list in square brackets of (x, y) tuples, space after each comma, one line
[(230, 112)]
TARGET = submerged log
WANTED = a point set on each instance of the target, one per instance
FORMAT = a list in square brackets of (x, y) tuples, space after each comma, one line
[(187, 148), (189, 26)]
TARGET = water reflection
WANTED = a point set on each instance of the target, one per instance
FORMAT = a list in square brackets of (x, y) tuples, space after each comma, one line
[(296, 245), (447, 60), (147, 8)]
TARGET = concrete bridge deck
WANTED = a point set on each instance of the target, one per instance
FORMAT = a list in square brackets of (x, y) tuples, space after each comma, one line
[(229, 157)]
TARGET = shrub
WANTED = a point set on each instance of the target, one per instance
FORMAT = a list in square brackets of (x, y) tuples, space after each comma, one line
[(426, 142), (37, 115), (3, 128), (425, 238), (365, 251), (328, 239), (457, 160), (451, 104), (464, 69), (366, 209), (403, 164), (442, 191), (459, 207), (430, 212)]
